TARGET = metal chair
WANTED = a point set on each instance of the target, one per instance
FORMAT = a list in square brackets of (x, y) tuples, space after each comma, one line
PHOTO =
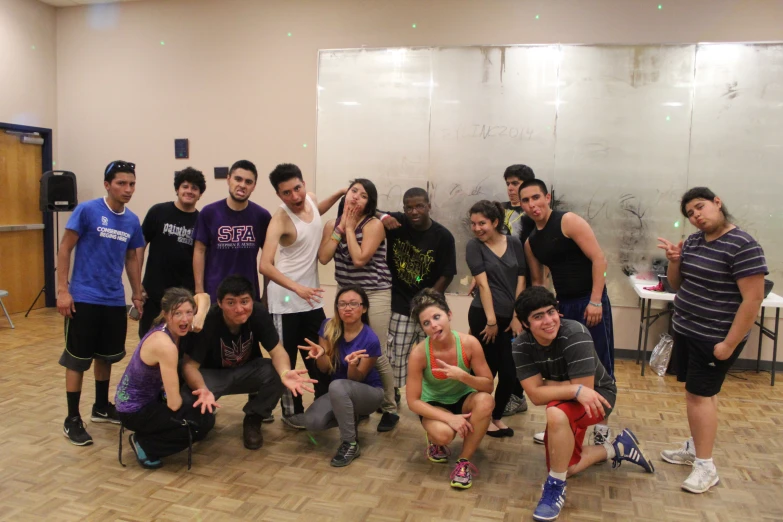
[(4, 293)]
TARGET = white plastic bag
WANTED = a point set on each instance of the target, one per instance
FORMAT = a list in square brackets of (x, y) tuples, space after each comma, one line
[(659, 359)]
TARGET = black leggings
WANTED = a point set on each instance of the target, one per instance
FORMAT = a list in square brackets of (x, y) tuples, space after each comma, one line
[(161, 432), (498, 355)]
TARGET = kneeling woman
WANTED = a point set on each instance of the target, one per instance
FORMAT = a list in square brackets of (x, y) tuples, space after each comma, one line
[(161, 426), (449, 386), (347, 349)]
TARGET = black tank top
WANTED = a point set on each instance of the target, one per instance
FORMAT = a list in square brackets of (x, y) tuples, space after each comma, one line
[(572, 271)]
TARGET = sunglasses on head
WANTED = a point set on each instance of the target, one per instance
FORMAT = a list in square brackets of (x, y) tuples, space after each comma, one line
[(120, 166)]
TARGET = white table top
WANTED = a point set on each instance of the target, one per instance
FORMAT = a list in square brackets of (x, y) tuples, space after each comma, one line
[(773, 300)]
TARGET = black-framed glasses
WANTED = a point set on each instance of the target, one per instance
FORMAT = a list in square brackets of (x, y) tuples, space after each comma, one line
[(353, 305), (119, 166)]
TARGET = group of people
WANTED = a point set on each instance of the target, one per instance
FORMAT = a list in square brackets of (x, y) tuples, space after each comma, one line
[(203, 317)]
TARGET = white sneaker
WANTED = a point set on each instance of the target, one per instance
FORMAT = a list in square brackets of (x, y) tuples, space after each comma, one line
[(684, 455), (538, 438), (701, 479), (601, 433)]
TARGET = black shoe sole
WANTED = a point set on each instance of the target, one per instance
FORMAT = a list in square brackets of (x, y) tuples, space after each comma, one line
[(500, 433), (342, 464)]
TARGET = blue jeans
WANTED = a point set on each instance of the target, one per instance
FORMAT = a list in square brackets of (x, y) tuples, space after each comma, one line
[(602, 333)]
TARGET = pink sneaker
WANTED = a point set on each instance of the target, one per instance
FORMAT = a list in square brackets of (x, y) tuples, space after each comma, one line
[(437, 454), (462, 476)]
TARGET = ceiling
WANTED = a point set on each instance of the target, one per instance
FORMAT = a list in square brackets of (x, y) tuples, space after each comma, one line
[(71, 3)]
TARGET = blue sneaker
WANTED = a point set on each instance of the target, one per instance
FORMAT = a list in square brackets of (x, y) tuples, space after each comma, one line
[(141, 456), (626, 447), (552, 500)]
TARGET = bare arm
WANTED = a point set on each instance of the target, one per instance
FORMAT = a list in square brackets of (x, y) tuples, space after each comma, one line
[(192, 374), (579, 389), (134, 276), (359, 372), (576, 228), (482, 379), (140, 255), (674, 256), (536, 268), (322, 362), (202, 307), (326, 204), (199, 254), (752, 290), (373, 236), (65, 304), (158, 349), (328, 245), (443, 283), (486, 298)]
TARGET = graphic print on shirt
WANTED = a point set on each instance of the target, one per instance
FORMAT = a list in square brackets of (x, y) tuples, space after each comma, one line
[(182, 233), (412, 263), (111, 233), (236, 354), (236, 238)]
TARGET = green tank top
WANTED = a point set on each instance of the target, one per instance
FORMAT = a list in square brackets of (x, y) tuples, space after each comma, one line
[(444, 391)]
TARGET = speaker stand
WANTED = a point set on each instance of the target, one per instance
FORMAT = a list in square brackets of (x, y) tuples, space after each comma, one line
[(57, 252)]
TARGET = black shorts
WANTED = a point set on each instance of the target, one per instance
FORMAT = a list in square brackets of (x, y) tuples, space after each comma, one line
[(698, 368), (455, 408), (95, 332)]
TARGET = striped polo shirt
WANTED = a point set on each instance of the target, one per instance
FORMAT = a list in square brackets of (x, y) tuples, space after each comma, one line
[(374, 275), (708, 298)]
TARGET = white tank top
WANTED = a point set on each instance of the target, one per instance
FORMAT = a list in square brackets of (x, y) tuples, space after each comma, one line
[(299, 262)]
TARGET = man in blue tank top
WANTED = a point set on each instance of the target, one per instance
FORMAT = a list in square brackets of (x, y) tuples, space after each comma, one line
[(105, 235), (294, 295), (565, 243)]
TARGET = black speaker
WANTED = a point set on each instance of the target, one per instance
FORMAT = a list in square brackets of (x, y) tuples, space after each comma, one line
[(58, 191)]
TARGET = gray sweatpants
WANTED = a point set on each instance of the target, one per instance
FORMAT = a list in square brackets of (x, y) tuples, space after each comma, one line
[(346, 398)]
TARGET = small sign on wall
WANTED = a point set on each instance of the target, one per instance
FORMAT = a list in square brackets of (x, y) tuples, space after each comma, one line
[(181, 149), (221, 172)]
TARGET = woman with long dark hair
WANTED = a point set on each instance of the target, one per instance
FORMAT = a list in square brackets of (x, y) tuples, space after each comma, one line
[(347, 350), (718, 273), (356, 241), (161, 425), (497, 262)]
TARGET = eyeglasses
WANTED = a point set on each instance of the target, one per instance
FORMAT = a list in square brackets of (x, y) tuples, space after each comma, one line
[(119, 166), (351, 306)]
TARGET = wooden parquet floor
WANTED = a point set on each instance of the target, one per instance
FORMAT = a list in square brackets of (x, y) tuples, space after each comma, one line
[(43, 477)]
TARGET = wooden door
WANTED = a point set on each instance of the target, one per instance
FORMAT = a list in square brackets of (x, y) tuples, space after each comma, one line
[(21, 251)]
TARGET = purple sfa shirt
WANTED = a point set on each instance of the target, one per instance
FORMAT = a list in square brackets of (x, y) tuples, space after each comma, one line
[(233, 239)]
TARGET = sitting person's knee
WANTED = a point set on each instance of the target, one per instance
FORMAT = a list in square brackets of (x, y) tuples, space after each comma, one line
[(338, 386), (483, 404), (441, 434), (555, 416)]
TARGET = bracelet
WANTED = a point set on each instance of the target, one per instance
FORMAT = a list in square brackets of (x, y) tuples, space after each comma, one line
[(337, 237), (383, 216), (282, 375), (597, 305), (577, 391), (495, 324)]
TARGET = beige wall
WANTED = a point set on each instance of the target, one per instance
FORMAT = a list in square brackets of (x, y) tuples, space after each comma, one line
[(28, 80), (231, 80)]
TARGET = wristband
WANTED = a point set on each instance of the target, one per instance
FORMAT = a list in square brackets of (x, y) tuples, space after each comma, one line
[(383, 216), (337, 237), (577, 391), (597, 305)]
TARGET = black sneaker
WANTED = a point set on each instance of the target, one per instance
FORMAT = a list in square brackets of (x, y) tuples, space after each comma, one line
[(267, 420), (388, 421), (74, 431), (105, 414), (142, 458), (345, 454)]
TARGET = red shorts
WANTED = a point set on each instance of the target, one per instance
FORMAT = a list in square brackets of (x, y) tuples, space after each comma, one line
[(579, 423)]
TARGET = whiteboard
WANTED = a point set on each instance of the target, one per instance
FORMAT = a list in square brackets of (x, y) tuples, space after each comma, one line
[(619, 132)]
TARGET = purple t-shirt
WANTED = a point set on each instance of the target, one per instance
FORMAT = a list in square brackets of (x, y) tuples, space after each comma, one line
[(366, 340), (233, 239)]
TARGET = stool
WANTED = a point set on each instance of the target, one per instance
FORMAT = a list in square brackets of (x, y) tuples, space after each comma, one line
[(4, 293)]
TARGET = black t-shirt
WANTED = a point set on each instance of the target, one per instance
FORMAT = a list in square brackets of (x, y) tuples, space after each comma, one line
[(169, 233), (572, 270), (216, 347), (417, 259)]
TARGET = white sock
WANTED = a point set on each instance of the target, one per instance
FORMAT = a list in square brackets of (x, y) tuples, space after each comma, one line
[(558, 476), (707, 463), (610, 451)]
